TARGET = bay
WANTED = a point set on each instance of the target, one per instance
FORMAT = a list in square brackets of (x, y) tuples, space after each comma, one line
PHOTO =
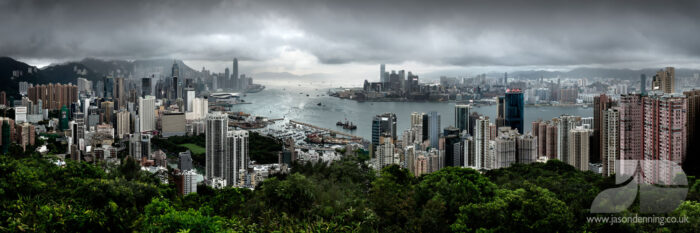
[(292, 103)]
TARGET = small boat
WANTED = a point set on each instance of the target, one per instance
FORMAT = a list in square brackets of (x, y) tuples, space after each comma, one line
[(319, 104)]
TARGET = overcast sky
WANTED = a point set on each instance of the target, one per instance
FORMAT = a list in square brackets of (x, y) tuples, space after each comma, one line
[(352, 37)]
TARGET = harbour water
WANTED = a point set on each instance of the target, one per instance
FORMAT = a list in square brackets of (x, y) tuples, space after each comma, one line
[(292, 103)]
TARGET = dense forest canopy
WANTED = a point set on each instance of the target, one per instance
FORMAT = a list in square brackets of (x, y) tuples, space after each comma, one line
[(36, 195)]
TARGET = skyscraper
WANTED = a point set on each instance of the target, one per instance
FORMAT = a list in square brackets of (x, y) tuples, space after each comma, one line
[(462, 117), (514, 109), (643, 84), (175, 70), (382, 76), (216, 135), (579, 146), (453, 150), (664, 135), (601, 103), (631, 127), (184, 161), (500, 111), (146, 87), (383, 124), (236, 156), (147, 118), (665, 80), (234, 75), (693, 117), (434, 128), (566, 123), (527, 149), (481, 141), (504, 153), (610, 140), (227, 78)]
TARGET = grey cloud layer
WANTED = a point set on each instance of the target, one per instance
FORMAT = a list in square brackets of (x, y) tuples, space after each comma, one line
[(463, 33)]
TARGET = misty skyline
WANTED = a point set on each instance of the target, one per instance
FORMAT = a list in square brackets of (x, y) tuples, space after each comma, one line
[(351, 38)]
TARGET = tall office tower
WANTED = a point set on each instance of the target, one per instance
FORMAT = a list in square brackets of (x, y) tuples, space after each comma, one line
[(123, 124), (643, 84), (189, 99), (146, 87), (453, 149), (385, 152), (527, 149), (174, 87), (434, 128), (175, 70), (693, 113), (501, 111), (119, 92), (551, 141), (234, 75), (462, 117), (382, 76), (601, 103), (631, 127), (515, 109), (383, 124), (107, 108), (566, 123), (108, 87), (236, 157), (610, 137), (579, 146), (227, 78), (147, 117), (505, 149), (481, 141), (665, 135), (216, 136), (665, 80), (505, 79)]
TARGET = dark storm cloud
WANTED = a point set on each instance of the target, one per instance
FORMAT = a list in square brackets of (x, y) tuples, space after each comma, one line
[(462, 33)]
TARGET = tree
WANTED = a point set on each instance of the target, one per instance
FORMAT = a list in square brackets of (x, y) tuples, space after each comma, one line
[(529, 209)]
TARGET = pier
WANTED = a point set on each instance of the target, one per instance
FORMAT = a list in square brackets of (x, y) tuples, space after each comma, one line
[(325, 129)]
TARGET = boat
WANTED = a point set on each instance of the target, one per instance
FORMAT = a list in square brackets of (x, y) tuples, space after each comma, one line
[(254, 88), (346, 125), (319, 104)]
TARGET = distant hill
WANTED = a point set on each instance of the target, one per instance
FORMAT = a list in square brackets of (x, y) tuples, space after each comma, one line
[(113, 67), (12, 71), (593, 73)]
